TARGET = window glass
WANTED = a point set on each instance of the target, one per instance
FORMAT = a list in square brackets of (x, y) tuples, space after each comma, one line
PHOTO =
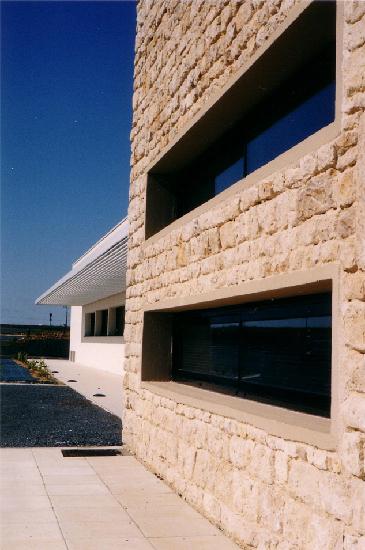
[(302, 121), (234, 172), (119, 320), (277, 351), (90, 324), (297, 108), (104, 323)]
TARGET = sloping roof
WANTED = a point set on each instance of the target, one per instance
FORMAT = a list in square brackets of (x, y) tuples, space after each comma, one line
[(97, 274)]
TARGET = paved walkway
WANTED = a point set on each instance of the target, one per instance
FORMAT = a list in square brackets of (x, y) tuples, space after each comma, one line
[(49, 502), (90, 381)]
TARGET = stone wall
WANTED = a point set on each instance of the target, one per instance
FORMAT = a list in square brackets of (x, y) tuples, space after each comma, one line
[(264, 491)]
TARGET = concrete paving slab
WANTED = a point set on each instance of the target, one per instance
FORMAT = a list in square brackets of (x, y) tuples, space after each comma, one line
[(44, 515), (71, 470), (111, 544), (193, 543), (119, 485), (76, 510), (90, 490), (24, 502), (85, 514), (74, 530), (17, 533), (21, 488), (65, 479), (90, 381), (140, 500), (175, 524), (35, 544), (84, 501)]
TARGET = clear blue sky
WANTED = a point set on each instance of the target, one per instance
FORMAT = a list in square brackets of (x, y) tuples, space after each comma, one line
[(67, 80)]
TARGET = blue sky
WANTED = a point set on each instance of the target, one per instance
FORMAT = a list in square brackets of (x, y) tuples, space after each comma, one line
[(67, 81)]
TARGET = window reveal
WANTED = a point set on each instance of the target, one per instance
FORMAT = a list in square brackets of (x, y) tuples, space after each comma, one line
[(276, 351)]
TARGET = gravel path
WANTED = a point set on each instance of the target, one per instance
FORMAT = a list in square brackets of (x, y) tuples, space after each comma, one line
[(12, 372), (35, 415)]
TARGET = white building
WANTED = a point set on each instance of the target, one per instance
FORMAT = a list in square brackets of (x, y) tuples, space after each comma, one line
[(95, 290)]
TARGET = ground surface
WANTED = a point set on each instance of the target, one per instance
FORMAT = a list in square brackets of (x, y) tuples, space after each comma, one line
[(39, 415), (12, 372), (49, 502)]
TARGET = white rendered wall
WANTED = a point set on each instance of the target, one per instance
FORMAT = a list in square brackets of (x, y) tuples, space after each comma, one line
[(105, 353)]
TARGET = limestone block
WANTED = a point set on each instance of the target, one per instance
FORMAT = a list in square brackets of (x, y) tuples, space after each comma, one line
[(352, 453), (345, 189), (347, 159), (241, 451), (249, 198), (355, 35), (353, 542), (358, 504), (262, 463), (308, 530), (227, 234), (324, 533), (354, 78), (296, 514), (353, 410), (308, 165), (222, 481), (315, 197), (345, 225), (326, 157), (294, 177), (245, 495), (348, 254), (355, 363), (335, 495), (354, 325), (244, 14), (354, 11), (354, 286), (212, 507), (287, 447), (278, 182), (303, 481), (271, 508), (247, 533)]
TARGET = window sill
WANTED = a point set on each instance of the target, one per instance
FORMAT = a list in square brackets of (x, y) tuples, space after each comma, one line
[(102, 340), (281, 162), (280, 422)]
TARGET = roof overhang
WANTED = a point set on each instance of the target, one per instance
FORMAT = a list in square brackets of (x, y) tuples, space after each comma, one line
[(99, 273)]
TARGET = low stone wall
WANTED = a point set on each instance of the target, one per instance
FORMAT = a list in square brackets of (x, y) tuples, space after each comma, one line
[(264, 491)]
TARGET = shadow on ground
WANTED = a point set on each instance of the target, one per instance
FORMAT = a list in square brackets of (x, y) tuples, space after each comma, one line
[(53, 416)]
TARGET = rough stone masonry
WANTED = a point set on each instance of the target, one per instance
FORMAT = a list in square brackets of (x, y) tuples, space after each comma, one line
[(264, 491)]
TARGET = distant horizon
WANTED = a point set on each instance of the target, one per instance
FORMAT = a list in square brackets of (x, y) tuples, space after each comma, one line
[(67, 85)]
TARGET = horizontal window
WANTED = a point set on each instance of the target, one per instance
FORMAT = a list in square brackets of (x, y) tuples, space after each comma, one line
[(276, 351), (105, 322), (285, 97), (301, 106)]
